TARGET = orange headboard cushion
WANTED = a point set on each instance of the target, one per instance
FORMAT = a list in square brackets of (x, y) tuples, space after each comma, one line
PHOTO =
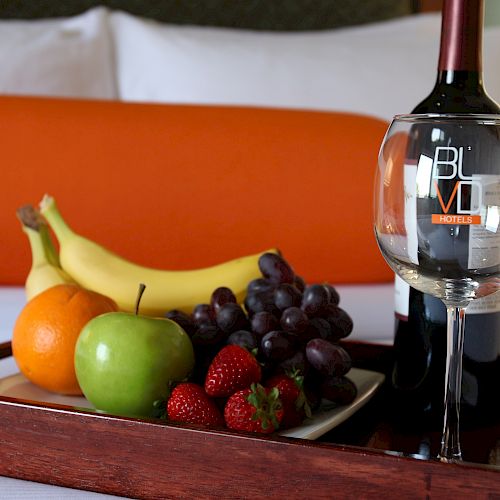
[(181, 187)]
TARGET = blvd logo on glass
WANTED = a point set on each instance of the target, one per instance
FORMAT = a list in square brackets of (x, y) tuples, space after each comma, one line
[(463, 189)]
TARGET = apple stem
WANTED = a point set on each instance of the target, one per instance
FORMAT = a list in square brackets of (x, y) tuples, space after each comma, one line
[(142, 287)]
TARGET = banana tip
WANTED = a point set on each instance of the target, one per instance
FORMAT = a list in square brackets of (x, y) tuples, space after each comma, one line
[(46, 201)]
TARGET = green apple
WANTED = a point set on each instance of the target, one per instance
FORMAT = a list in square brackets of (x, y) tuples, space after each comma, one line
[(125, 362)]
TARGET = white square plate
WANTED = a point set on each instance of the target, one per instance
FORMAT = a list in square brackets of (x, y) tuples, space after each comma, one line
[(329, 416)]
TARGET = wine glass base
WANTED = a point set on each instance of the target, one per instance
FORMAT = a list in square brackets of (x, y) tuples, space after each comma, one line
[(453, 459)]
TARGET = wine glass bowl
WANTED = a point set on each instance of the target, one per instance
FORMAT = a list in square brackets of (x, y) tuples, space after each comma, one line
[(437, 222)]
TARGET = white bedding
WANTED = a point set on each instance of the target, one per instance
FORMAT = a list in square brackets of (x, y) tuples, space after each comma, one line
[(363, 69), (378, 69), (58, 57)]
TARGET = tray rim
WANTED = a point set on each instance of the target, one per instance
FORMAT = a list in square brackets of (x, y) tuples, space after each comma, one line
[(23, 416), (329, 417)]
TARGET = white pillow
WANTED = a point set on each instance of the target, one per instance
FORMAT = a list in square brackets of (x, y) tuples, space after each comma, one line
[(379, 69), (70, 57), (491, 61)]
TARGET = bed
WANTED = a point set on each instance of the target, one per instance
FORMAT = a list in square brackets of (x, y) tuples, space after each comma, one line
[(374, 59)]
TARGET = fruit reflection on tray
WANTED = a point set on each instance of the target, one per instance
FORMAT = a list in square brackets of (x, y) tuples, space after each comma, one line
[(325, 418)]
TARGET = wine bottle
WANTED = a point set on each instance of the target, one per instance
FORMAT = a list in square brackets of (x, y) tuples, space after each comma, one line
[(420, 325)]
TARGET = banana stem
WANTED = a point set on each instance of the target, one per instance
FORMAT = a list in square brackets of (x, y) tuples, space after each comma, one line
[(38, 255), (49, 210)]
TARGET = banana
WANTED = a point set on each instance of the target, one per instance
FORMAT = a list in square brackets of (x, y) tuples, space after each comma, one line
[(98, 269), (45, 271)]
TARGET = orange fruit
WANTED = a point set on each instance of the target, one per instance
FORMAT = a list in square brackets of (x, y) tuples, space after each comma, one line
[(46, 331)]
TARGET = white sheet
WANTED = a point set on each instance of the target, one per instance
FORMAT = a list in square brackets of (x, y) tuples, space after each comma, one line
[(378, 69), (66, 57), (16, 489)]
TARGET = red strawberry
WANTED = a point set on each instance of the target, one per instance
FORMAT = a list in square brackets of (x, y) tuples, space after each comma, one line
[(189, 403), (256, 409), (232, 369), (291, 393)]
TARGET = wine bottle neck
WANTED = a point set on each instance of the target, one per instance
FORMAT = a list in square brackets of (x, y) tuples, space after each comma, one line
[(460, 79), (461, 37)]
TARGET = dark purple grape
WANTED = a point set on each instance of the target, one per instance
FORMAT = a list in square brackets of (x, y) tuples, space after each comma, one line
[(312, 388), (207, 335), (276, 269), (319, 328), (328, 358), (183, 320), (268, 367), (203, 314), (313, 398), (260, 285), (264, 322), (231, 318), (294, 320), (261, 301), (296, 362), (299, 283), (315, 300), (278, 345), (221, 296), (204, 354), (340, 322), (340, 390), (244, 339), (286, 296), (334, 295)]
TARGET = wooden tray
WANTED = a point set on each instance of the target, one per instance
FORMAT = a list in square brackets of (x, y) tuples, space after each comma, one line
[(153, 459)]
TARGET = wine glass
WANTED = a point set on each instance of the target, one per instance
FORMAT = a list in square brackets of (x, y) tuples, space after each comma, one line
[(437, 220)]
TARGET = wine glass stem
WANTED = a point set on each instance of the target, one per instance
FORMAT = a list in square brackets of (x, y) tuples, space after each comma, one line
[(450, 442)]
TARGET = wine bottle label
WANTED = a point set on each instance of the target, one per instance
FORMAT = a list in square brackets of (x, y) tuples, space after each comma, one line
[(482, 342), (410, 204), (470, 388), (401, 298), (484, 239), (484, 305), (401, 288), (482, 327)]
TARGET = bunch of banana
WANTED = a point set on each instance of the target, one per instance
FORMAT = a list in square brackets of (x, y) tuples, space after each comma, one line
[(45, 269), (100, 270)]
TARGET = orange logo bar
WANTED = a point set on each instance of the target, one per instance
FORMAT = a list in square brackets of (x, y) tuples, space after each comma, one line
[(456, 219)]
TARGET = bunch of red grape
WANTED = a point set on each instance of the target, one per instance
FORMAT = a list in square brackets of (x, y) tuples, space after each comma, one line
[(288, 326)]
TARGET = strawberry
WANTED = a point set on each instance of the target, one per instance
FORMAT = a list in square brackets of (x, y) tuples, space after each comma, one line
[(256, 409), (189, 403), (232, 369), (291, 393)]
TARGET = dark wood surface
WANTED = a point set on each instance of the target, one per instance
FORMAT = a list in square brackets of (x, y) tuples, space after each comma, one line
[(429, 5), (154, 459), (149, 460), (5, 350)]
